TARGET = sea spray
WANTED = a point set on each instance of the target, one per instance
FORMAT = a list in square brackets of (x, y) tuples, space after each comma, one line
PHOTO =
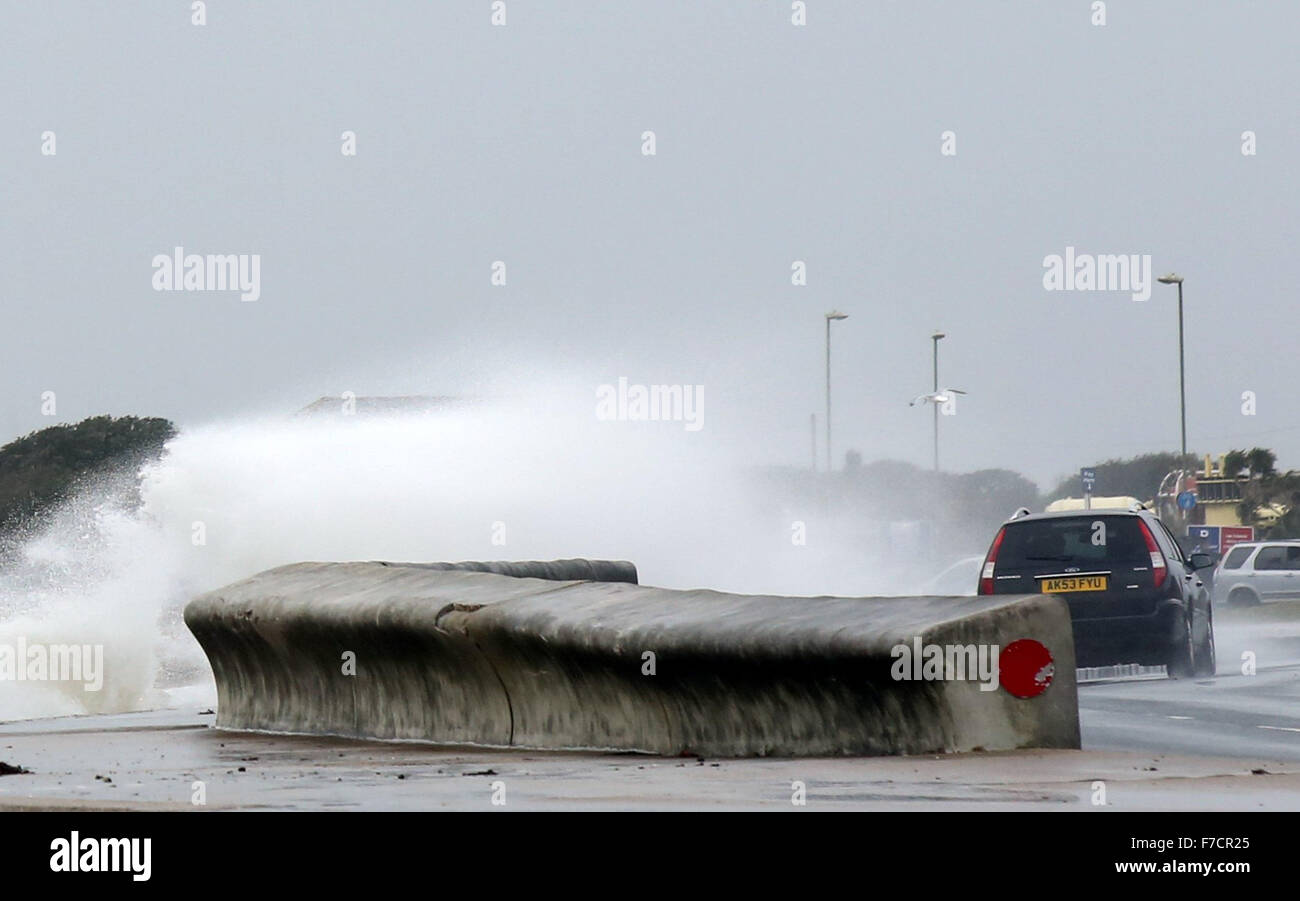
[(522, 479)]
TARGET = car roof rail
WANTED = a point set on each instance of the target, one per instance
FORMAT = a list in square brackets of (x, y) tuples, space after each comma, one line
[(1023, 511)]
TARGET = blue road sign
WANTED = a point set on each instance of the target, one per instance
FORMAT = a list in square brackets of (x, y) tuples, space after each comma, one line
[(1186, 500), (1089, 479), (1206, 538)]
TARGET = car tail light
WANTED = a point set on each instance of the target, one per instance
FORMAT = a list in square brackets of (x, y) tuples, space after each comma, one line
[(1158, 567), (986, 574)]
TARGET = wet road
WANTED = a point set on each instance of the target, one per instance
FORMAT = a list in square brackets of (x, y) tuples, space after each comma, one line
[(1239, 713), (173, 759)]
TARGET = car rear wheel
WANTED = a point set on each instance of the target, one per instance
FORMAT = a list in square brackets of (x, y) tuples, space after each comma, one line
[(1181, 655), (1205, 662), (1242, 597)]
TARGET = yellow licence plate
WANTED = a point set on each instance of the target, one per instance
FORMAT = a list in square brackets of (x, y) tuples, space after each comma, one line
[(1073, 583)]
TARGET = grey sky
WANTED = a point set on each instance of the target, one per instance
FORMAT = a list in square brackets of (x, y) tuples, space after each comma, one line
[(775, 143)]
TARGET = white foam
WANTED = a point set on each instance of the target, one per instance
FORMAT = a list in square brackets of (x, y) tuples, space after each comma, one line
[(548, 479)]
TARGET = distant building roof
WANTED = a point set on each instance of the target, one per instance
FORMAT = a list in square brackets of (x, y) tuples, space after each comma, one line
[(338, 405), (1114, 502)]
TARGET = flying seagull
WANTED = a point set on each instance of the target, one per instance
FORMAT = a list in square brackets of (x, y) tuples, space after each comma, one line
[(936, 397)]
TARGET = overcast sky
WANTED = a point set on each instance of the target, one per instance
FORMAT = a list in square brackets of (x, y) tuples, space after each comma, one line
[(774, 143)]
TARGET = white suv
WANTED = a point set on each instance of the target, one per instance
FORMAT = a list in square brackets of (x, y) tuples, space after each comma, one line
[(1258, 571)]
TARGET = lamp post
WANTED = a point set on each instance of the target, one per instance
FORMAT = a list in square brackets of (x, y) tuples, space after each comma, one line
[(936, 338), (1175, 279), (832, 316), (812, 433), (936, 397)]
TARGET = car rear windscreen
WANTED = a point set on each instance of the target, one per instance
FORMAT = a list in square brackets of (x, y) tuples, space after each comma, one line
[(1088, 542), (1237, 556)]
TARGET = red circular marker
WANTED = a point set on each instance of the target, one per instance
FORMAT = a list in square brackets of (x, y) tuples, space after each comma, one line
[(1025, 668)]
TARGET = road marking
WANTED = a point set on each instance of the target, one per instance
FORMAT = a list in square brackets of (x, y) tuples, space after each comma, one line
[(1129, 672), (1179, 717), (1279, 728)]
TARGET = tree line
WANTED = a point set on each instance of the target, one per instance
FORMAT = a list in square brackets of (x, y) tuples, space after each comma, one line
[(43, 468)]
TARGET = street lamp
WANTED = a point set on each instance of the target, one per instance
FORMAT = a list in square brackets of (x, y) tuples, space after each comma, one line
[(832, 316), (936, 338), (936, 396), (1174, 279)]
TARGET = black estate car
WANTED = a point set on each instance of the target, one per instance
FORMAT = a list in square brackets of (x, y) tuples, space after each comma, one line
[(1134, 597)]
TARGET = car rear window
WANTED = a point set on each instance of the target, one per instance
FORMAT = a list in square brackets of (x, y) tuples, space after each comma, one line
[(1236, 557), (1079, 541), (1279, 556), (1271, 557)]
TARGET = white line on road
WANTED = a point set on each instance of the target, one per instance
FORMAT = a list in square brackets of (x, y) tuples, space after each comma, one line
[(1280, 728)]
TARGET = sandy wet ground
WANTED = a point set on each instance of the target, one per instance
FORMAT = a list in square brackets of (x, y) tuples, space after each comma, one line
[(154, 760)]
